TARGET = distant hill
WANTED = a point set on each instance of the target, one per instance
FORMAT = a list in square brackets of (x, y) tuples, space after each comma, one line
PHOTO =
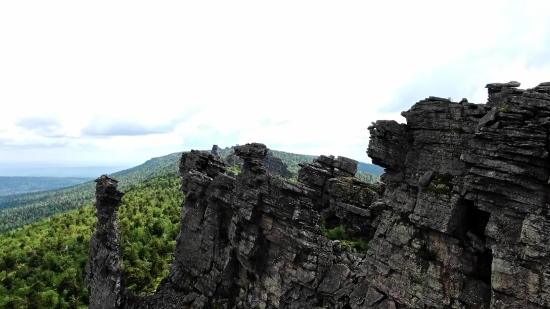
[(22, 209), (58, 171), (370, 168), (42, 264), (10, 185), (365, 171)]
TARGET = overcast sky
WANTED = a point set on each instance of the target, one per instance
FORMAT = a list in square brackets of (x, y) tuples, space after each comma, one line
[(119, 82)]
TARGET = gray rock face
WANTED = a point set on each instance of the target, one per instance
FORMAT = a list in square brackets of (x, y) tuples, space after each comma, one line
[(215, 150), (467, 190), (460, 221), (104, 277), (273, 164), (254, 240)]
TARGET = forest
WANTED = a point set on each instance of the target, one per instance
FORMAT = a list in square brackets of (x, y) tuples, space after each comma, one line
[(18, 210), (22, 209), (42, 265)]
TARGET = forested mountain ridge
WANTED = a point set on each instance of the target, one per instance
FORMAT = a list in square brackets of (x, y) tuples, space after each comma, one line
[(461, 221), (19, 210), (365, 171), (42, 265), (22, 209), (10, 185)]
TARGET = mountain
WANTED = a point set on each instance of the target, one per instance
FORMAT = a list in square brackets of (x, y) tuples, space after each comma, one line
[(365, 171), (370, 168), (10, 185), (461, 222), (21, 209), (58, 171), (42, 264)]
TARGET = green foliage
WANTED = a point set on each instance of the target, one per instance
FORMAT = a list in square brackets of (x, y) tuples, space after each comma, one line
[(441, 184), (42, 265), (235, 169), (22, 209), (361, 245), (443, 179), (368, 177), (339, 233), (367, 172), (437, 190)]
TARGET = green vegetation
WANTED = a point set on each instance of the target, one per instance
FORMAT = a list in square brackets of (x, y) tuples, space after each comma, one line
[(436, 190), (339, 233), (366, 172), (441, 184), (235, 169), (368, 177), (22, 209), (10, 185), (354, 191), (42, 265)]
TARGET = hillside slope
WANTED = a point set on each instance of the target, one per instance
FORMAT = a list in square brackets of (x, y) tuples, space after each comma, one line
[(21, 209), (42, 265), (10, 185)]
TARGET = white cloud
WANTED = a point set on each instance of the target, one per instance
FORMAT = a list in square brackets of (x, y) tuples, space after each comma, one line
[(129, 80)]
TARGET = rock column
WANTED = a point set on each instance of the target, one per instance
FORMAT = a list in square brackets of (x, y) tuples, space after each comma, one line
[(104, 270)]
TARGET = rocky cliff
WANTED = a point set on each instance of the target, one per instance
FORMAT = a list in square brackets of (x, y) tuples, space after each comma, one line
[(274, 165), (461, 220)]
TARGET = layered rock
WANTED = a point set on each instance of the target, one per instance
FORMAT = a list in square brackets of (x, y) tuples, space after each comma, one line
[(462, 220), (274, 165), (255, 241), (104, 277), (465, 185)]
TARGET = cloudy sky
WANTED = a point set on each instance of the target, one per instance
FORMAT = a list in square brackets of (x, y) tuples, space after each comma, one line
[(119, 82)]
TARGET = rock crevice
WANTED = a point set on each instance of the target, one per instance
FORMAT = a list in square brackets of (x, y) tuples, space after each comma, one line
[(460, 221)]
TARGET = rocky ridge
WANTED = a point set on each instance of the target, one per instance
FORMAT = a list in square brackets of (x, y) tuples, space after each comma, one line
[(461, 220), (274, 164)]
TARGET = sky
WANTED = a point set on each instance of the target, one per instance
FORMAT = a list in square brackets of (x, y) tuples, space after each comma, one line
[(87, 83)]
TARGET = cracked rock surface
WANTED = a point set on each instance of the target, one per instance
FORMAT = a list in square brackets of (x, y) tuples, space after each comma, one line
[(460, 221)]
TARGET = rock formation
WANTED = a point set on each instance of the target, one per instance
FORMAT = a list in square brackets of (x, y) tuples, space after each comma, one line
[(273, 164), (468, 197), (215, 150), (460, 221), (104, 271), (276, 166)]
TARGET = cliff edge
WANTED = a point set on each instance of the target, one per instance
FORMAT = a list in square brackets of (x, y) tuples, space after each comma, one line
[(460, 221)]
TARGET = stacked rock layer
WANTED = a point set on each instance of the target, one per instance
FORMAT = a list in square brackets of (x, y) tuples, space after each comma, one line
[(460, 221)]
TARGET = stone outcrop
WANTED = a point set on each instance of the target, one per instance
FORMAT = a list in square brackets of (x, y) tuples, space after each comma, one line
[(276, 166), (273, 164), (255, 240), (104, 277), (215, 150), (465, 184), (460, 221)]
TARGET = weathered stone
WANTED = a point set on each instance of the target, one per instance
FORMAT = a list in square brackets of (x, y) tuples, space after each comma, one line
[(461, 221), (104, 277), (215, 150)]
